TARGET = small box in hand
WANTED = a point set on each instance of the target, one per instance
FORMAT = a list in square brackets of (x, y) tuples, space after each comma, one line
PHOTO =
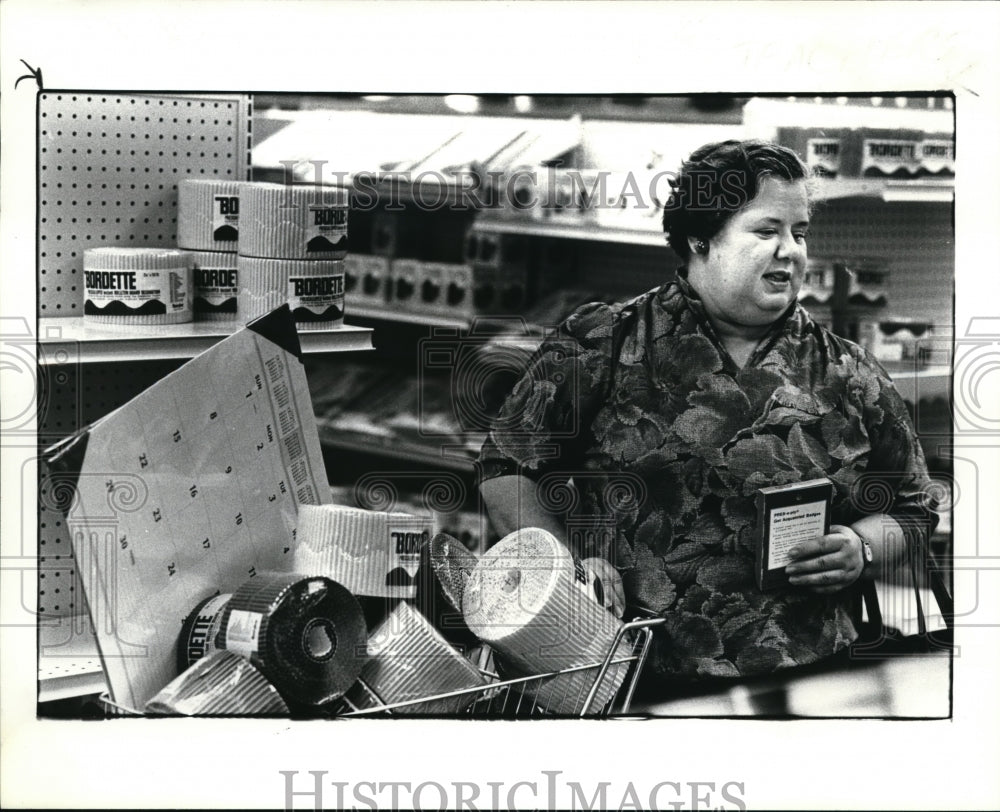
[(787, 515)]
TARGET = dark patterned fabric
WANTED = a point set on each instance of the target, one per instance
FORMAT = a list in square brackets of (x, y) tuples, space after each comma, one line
[(666, 441)]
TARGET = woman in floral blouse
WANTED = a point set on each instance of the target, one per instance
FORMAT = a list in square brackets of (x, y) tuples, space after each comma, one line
[(642, 431)]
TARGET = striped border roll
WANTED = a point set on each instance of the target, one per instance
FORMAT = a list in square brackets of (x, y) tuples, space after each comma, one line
[(410, 660), (208, 214), (313, 290), (305, 634), (122, 258), (215, 277), (532, 600), (199, 631), (132, 286), (370, 552), (221, 684), (293, 222)]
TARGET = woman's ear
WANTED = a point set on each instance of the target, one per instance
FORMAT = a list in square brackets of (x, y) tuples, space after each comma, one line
[(697, 246)]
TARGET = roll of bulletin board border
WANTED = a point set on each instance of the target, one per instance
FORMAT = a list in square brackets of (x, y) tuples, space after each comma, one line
[(306, 635), (221, 684), (136, 285), (370, 552), (313, 290), (208, 214), (531, 599), (199, 631), (284, 221), (216, 285), (409, 660)]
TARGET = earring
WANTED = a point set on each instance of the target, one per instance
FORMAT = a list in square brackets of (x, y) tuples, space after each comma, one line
[(700, 247)]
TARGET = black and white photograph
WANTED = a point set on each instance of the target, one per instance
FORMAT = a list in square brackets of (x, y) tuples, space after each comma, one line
[(519, 439)]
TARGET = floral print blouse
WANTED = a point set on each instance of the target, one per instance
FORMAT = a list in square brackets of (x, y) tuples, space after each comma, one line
[(666, 441)]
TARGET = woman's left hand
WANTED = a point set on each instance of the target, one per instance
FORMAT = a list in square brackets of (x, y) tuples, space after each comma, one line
[(829, 563)]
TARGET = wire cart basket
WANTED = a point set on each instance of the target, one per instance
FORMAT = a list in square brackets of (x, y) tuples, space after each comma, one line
[(597, 689)]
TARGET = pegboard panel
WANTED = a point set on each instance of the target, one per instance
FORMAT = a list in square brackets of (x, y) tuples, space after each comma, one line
[(74, 397), (108, 167)]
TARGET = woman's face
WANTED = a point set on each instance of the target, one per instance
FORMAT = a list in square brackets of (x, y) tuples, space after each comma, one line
[(754, 266)]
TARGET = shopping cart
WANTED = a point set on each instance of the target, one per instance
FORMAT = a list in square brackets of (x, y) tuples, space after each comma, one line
[(597, 689), (581, 688)]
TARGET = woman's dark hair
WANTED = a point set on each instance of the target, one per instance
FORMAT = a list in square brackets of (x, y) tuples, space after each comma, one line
[(716, 182)]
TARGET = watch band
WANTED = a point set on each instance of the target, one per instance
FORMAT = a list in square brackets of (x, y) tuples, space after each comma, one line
[(867, 555)]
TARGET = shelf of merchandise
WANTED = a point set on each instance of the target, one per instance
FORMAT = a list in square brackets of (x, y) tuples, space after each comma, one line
[(459, 457), (582, 230), (891, 191), (66, 340), (405, 317), (69, 664)]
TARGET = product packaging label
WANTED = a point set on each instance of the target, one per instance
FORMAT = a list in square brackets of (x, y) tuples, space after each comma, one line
[(937, 156), (316, 298), (326, 229), (889, 156), (243, 632), (215, 290), (404, 543), (823, 154), (226, 218), (201, 641), (134, 293)]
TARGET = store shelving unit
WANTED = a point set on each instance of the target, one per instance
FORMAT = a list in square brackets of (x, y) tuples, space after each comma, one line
[(570, 231), (451, 457), (355, 312), (61, 338), (69, 664)]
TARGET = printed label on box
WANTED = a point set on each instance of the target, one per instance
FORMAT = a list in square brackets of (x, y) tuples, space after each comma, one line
[(243, 632), (327, 228), (823, 154), (215, 290), (226, 218), (888, 156), (147, 292), (316, 298)]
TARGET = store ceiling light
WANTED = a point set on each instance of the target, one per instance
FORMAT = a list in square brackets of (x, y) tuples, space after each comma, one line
[(523, 104), (376, 98), (462, 104)]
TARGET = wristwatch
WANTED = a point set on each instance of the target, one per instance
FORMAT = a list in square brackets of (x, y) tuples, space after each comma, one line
[(866, 554)]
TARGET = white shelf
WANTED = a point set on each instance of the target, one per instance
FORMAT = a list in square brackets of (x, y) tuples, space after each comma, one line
[(68, 661), (407, 317), (449, 456), (71, 340), (891, 191), (583, 231)]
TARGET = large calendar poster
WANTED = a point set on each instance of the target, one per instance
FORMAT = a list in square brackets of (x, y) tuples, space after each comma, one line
[(187, 491)]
